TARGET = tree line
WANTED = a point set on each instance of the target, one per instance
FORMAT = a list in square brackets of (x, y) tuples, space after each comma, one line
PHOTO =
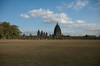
[(8, 31)]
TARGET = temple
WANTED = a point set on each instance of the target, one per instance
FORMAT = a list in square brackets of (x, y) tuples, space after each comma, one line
[(44, 35), (57, 32)]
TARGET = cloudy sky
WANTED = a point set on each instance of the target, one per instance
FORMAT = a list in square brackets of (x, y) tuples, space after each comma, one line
[(75, 17)]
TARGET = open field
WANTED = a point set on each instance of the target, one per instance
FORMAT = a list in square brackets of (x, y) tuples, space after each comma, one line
[(49, 52)]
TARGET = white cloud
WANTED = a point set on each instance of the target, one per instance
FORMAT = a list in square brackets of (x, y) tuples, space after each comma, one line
[(86, 26), (92, 26), (80, 21), (79, 4), (60, 8), (70, 5), (50, 17), (24, 15), (80, 33)]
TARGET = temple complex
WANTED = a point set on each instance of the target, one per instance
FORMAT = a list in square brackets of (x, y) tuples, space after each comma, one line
[(44, 35)]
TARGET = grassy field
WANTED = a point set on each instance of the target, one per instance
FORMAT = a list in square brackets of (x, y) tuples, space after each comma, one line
[(49, 52)]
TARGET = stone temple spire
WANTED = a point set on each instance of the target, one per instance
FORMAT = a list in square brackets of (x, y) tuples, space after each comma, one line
[(38, 33), (57, 32)]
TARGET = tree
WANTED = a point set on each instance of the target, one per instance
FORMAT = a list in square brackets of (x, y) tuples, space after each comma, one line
[(8, 31), (15, 32), (1, 31), (5, 31)]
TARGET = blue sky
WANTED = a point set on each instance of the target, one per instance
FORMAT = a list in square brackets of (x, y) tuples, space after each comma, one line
[(75, 17)]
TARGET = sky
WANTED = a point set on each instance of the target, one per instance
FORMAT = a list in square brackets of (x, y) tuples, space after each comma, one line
[(75, 17)]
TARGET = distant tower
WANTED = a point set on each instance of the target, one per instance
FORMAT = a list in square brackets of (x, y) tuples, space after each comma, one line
[(38, 33), (57, 32), (41, 33)]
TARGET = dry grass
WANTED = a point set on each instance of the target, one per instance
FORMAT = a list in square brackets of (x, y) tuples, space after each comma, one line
[(49, 52)]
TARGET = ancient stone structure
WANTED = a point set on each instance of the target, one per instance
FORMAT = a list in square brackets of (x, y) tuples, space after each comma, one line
[(41, 34), (38, 33), (57, 32), (44, 35)]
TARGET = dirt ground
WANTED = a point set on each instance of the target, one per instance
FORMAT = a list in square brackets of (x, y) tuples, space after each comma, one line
[(49, 52)]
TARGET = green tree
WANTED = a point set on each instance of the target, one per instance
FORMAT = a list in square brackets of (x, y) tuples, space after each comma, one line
[(15, 32), (1, 31), (8, 31)]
